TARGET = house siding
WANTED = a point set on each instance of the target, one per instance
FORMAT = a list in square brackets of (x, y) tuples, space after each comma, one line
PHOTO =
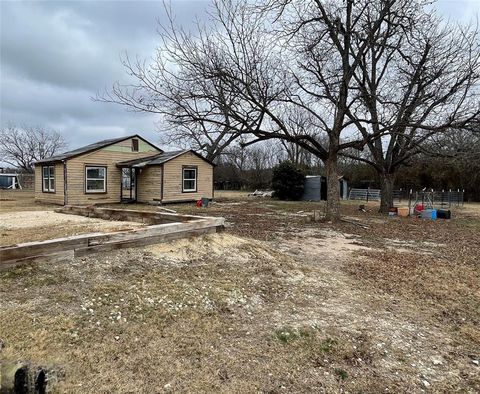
[(109, 157), (58, 196), (172, 178), (149, 184)]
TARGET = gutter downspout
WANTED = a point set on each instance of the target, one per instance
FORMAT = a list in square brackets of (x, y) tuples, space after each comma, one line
[(213, 183), (161, 190), (65, 198)]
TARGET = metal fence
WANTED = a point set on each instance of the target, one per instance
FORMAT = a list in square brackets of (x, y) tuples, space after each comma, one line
[(364, 194), (440, 199), (433, 198)]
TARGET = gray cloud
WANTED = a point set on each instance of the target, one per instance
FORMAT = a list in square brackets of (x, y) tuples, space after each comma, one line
[(55, 55)]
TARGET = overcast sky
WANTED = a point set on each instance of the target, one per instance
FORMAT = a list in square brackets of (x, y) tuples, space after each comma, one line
[(55, 55)]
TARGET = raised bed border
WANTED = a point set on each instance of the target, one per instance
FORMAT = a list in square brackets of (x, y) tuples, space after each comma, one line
[(167, 227)]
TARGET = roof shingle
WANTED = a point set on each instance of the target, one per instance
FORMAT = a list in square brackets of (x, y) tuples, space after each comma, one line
[(86, 149), (157, 159)]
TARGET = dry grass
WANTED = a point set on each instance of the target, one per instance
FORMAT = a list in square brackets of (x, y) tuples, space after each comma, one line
[(272, 305), (21, 200)]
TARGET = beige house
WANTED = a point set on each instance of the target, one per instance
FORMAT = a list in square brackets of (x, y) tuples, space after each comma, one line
[(123, 169)]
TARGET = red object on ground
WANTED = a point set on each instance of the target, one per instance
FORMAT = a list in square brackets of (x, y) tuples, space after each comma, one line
[(419, 207), (199, 203)]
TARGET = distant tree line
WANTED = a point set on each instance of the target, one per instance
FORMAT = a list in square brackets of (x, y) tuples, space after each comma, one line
[(452, 162)]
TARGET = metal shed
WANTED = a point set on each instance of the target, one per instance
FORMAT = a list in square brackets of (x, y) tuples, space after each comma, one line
[(315, 188)]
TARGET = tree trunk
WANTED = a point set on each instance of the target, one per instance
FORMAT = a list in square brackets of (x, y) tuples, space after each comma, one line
[(386, 192), (333, 192)]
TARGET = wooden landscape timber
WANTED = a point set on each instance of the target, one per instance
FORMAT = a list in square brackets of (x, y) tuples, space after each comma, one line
[(129, 215), (171, 227)]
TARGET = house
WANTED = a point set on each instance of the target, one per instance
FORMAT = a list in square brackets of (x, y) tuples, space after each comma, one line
[(123, 169), (315, 188)]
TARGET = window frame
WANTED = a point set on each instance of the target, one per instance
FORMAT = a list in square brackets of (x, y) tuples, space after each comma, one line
[(49, 189), (135, 145), (189, 168), (86, 179)]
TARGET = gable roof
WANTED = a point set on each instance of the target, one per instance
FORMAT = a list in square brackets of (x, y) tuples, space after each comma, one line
[(91, 148), (159, 159)]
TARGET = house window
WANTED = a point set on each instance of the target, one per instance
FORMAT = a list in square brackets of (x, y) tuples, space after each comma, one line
[(95, 179), (48, 178), (189, 179), (134, 145)]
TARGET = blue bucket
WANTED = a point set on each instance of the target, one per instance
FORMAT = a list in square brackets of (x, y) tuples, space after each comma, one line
[(429, 214)]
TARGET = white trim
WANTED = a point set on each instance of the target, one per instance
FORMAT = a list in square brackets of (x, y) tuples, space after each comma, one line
[(189, 179), (49, 178), (104, 179)]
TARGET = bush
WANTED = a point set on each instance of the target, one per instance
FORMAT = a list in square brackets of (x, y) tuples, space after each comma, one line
[(287, 181)]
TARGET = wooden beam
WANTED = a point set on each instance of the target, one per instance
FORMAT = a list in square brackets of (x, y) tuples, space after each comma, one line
[(89, 243), (31, 249), (129, 243), (153, 217)]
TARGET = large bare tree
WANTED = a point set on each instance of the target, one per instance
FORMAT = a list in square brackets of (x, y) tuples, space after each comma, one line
[(21, 147), (417, 80), (243, 73)]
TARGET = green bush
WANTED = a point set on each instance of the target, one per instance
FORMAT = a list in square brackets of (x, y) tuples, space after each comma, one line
[(288, 181)]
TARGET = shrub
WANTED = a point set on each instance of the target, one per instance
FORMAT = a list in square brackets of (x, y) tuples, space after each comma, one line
[(288, 181)]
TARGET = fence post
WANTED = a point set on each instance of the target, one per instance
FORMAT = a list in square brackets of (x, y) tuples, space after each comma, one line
[(450, 198), (368, 190)]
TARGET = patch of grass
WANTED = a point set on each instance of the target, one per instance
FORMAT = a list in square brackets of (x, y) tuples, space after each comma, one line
[(327, 345), (18, 272), (286, 334), (351, 352), (340, 373), (289, 334)]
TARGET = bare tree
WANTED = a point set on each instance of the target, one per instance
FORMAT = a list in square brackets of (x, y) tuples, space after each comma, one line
[(185, 115), (246, 72), (417, 80), (22, 146), (253, 164)]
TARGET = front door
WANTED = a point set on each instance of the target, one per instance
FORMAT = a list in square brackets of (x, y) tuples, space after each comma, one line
[(129, 181)]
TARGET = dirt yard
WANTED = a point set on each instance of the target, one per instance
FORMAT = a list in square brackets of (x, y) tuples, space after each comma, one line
[(272, 305), (22, 220)]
